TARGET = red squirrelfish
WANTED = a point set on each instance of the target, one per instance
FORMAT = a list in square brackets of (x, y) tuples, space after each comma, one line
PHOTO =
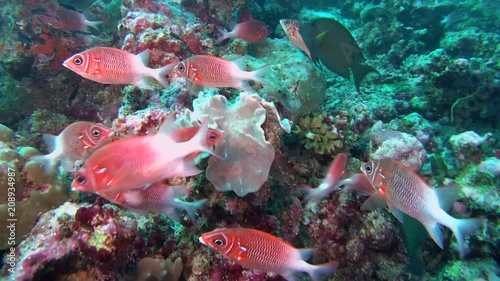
[(69, 20), (292, 30), (158, 197), (251, 31), (137, 161), (262, 251), (114, 66), (331, 180), (213, 72), (403, 191), (74, 143)]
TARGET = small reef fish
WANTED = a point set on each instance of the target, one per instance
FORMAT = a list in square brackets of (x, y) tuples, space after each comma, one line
[(74, 143), (332, 45), (252, 31), (331, 180), (292, 31), (262, 251), (69, 20), (158, 197), (213, 72), (404, 192), (114, 66), (137, 161)]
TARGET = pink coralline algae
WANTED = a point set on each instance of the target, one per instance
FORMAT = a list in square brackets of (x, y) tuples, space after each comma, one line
[(403, 147), (165, 30), (98, 233)]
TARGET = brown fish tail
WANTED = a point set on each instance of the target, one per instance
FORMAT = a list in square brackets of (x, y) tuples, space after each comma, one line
[(359, 72)]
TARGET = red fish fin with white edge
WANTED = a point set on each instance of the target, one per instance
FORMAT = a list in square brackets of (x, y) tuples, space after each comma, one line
[(322, 270), (373, 202)]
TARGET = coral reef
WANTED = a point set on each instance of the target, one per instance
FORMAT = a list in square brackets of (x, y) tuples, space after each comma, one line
[(434, 107), (28, 191)]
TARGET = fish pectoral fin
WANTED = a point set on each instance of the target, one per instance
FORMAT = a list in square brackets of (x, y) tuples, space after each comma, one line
[(373, 202), (320, 38), (397, 213)]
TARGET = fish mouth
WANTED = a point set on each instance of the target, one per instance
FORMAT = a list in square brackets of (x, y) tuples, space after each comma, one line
[(201, 240)]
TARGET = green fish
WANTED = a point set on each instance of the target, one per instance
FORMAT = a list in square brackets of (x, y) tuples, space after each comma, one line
[(333, 46), (414, 238)]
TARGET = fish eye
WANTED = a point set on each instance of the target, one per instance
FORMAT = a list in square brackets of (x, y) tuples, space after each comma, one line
[(78, 60), (80, 179), (368, 169), (181, 67), (96, 133), (219, 242), (287, 21)]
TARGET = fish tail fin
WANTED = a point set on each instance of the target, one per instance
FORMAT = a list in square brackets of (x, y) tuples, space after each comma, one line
[(359, 72), (46, 161), (318, 271), (161, 73), (311, 193), (223, 35), (192, 207), (258, 74), (462, 227), (93, 24)]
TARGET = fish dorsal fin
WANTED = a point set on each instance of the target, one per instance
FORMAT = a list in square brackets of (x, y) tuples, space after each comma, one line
[(447, 196), (144, 57), (306, 253), (50, 141), (320, 38), (397, 213), (168, 127), (373, 202), (240, 62)]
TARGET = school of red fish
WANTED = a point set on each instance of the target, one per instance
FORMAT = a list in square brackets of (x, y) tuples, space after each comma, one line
[(131, 172)]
